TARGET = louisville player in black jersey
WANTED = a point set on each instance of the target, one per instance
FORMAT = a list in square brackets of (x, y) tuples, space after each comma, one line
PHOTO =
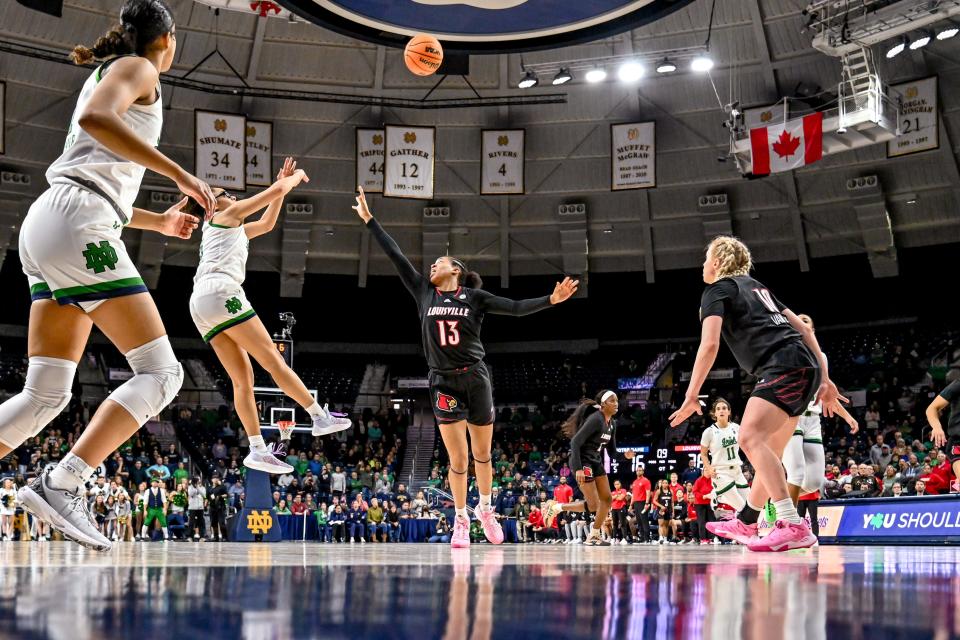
[(452, 305), (592, 430), (949, 439), (770, 342)]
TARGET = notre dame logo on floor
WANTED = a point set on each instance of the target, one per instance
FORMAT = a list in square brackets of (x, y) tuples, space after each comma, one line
[(259, 522)]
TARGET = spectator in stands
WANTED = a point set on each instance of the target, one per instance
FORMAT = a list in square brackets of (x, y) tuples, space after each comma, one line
[(420, 502), (338, 521), (282, 508), (177, 509), (920, 488), (124, 520), (691, 473), (383, 486), (217, 499), (375, 522), (338, 482), (897, 490), (563, 492), (393, 523), (876, 451), (8, 501), (536, 527), (324, 529), (522, 513), (890, 477), (640, 498), (298, 508), (357, 521), (620, 499), (865, 484), (441, 532), (180, 474)]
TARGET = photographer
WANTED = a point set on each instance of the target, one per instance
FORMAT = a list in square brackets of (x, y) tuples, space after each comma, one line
[(217, 501), (442, 533), (197, 496)]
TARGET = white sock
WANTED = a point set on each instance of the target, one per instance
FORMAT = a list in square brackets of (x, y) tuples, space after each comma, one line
[(166, 534), (786, 511), (462, 513), (484, 504), (71, 473), (257, 444), (315, 410)]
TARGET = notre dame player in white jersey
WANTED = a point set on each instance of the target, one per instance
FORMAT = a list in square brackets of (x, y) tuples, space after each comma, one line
[(803, 457), (226, 320), (80, 273), (720, 451)]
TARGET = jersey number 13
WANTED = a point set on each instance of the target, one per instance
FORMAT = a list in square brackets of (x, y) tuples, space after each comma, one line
[(449, 332)]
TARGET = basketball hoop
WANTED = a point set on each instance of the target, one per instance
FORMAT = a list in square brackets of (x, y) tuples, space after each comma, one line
[(286, 425)]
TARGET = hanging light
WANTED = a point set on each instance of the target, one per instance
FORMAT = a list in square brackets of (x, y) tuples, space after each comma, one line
[(529, 80), (597, 74), (922, 40), (563, 76), (666, 66), (948, 32), (630, 72), (701, 63), (897, 48)]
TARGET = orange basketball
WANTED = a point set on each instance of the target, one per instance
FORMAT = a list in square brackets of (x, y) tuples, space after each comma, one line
[(423, 54)]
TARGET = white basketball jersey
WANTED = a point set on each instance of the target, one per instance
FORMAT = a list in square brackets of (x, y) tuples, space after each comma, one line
[(223, 253), (84, 157), (723, 444)]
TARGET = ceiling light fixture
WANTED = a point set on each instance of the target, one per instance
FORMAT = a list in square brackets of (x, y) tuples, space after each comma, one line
[(630, 72), (701, 64), (666, 66), (529, 80), (922, 40), (597, 74), (563, 76)]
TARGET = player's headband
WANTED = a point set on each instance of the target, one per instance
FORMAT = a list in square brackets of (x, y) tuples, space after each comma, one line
[(607, 396), (458, 264)]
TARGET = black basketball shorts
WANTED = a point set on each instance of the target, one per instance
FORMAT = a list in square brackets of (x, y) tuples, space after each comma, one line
[(592, 468), (953, 448), (463, 396), (789, 379)]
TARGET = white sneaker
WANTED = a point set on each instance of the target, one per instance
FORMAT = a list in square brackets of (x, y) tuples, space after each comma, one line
[(267, 462), (63, 510), (6, 538), (324, 424), (623, 543), (716, 541)]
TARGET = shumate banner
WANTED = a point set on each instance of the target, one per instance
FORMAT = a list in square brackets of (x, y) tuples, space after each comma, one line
[(220, 149), (259, 153), (408, 170), (370, 159), (502, 164)]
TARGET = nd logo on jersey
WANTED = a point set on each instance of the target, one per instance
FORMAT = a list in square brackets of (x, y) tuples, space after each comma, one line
[(259, 522)]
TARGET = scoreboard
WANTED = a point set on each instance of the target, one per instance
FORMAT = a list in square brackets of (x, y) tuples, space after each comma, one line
[(658, 461), (285, 347)]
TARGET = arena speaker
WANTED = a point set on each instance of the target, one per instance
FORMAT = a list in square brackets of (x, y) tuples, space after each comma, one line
[(715, 215), (295, 248), (870, 205), (435, 234), (574, 244)]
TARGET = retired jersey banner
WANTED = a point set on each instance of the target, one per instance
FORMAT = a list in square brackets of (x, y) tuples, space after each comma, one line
[(501, 169), (633, 152), (408, 170), (221, 145), (370, 160), (792, 144), (919, 117), (259, 154)]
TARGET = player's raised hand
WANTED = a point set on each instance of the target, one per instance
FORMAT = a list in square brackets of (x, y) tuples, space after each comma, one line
[(563, 290), (177, 223), (830, 397), (288, 168), (361, 207), (689, 407)]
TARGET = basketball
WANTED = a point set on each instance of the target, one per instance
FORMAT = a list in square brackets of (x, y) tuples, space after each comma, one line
[(423, 55)]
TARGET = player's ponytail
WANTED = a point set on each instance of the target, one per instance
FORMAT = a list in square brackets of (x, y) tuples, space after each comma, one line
[(141, 22), (467, 278), (584, 410)]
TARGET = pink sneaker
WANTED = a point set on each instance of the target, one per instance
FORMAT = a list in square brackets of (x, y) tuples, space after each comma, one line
[(734, 530), (491, 528), (461, 533), (785, 536)]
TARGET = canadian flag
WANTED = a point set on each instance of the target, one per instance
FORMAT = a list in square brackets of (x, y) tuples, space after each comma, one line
[(793, 144)]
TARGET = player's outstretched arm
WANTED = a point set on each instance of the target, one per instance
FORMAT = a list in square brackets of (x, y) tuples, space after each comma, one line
[(268, 220), (172, 222), (498, 305), (411, 278), (706, 356), (242, 209)]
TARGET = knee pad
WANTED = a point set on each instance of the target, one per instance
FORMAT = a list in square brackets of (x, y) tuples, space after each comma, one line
[(45, 394), (793, 461), (156, 381)]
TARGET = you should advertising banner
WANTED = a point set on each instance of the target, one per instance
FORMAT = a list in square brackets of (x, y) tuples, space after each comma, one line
[(925, 519)]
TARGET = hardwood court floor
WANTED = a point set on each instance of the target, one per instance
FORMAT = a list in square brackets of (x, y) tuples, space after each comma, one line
[(293, 590)]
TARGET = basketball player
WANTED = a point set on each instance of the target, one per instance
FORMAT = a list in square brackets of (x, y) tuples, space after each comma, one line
[(720, 452), (592, 430), (80, 273), (226, 320), (949, 440), (772, 343), (804, 457), (452, 306)]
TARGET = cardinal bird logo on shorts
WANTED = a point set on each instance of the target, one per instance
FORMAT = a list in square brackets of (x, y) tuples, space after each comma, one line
[(445, 402), (956, 450)]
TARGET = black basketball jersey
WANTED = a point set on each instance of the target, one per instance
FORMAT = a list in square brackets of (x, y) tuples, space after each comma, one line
[(753, 322), (951, 393), (450, 320), (593, 437)]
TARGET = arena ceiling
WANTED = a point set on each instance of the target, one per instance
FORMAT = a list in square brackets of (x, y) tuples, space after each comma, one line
[(761, 54)]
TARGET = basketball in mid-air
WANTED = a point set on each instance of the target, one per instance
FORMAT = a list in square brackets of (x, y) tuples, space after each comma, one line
[(423, 54)]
